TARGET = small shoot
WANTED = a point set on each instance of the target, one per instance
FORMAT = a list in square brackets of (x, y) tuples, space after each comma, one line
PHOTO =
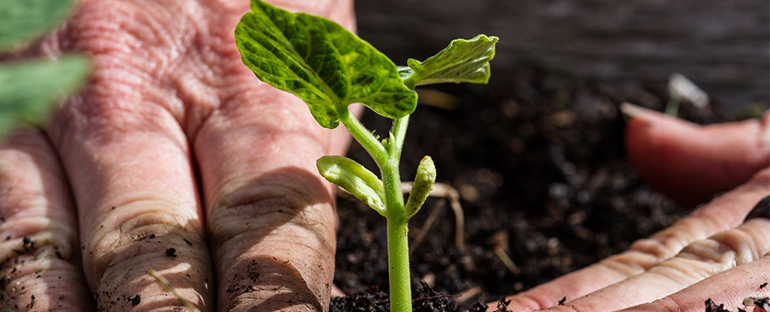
[(423, 184), (354, 178), (30, 88), (28, 20), (330, 68)]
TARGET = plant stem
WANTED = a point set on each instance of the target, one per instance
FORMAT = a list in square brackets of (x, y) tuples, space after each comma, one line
[(398, 262), (399, 133), (398, 239), (362, 135)]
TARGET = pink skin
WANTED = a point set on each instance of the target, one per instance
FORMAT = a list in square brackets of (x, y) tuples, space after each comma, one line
[(169, 97), (710, 254), (691, 163)]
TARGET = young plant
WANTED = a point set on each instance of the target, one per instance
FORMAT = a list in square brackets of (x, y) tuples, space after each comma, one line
[(330, 68)]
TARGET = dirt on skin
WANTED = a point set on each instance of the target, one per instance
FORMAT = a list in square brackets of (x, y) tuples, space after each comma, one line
[(539, 163)]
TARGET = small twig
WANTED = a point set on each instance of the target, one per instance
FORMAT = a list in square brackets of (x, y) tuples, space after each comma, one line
[(468, 294), (500, 240), (165, 283), (445, 191), (428, 223), (438, 99)]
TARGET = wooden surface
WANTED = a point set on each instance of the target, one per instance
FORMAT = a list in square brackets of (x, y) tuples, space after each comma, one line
[(722, 45)]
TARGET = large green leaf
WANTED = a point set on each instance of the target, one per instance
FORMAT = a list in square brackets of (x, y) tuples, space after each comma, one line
[(462, 61), (22, 21), (321, 63), (29, 89)]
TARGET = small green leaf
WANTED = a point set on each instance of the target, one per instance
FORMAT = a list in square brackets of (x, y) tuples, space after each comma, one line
[(321, 63), (26, 20), (29, 89), (423, 184), (462, 61), (355, 179)]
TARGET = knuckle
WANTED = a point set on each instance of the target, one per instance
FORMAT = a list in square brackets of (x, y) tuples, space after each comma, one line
[(652, 247), (295, 201), (146, 233), (733, 247)]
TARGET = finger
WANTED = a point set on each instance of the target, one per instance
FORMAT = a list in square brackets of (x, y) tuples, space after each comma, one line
[(129, 161), (723, 213), (691, 163), (729, 288), (270, 216), (696, 262), (38, 229)]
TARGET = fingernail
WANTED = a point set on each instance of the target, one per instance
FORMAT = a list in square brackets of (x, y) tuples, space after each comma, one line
[(638, 112)]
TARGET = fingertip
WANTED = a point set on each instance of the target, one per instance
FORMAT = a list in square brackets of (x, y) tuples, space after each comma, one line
[(691, 163)]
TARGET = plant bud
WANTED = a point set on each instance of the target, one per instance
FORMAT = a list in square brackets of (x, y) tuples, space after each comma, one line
[(354, 178), (423, 183)]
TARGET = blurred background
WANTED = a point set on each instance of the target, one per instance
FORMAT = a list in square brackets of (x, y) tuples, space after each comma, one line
[(722, 46)]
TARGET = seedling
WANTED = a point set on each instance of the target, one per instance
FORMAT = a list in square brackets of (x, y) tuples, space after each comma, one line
[(330, 68)]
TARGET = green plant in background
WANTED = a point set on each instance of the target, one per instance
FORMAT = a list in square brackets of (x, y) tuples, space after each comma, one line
[(29, 88), (330, 68)]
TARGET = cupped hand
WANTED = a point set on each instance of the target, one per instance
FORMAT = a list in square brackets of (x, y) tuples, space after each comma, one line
[(174, 158), (714, 253)]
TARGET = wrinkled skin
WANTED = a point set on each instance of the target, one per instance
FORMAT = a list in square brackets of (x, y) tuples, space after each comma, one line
[(169, 101), (175, 144), (712, 253)]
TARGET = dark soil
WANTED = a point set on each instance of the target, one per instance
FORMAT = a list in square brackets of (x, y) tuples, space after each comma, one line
[(538, 160)]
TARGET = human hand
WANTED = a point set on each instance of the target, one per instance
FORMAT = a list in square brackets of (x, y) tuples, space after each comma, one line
[(712, 253), (169, 104)]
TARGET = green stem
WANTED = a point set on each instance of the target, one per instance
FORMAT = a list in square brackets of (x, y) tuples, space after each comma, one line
[(398, 263), (362, 135), (399, 133), (398, 240)]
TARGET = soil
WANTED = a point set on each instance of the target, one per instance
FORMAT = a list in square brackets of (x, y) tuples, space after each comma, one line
[(538, 160)]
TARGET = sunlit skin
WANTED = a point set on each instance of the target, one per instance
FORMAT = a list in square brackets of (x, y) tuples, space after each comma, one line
[(175, 144), (169, 100)]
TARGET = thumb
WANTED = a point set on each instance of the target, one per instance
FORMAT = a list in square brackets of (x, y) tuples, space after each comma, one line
[(689, 162)]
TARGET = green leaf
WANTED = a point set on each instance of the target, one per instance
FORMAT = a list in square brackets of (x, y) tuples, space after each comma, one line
[(29, 89), (355, 179), (423, 184), (321, 63), (462, 61), (26, 20)]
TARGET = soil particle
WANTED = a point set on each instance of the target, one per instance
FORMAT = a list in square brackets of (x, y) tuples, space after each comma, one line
[(563, 300), (171, 252), (372, 300), (135, 300), (428, 300), (536, 155), (763, 285)]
